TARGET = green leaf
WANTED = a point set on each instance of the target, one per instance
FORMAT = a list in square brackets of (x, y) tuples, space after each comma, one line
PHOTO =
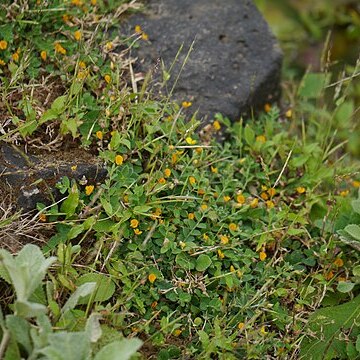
[(82, 291), (356, 206), (326, 326), (93, 327), (358, 343), (353, 230), (249, 135), (345, 286), (313, 84), (26, 270), (202, 262), (20, 330), (48, 115), (107, 206), (104, 289), (27, 309), (71, 202), (356, 270), (58, 105), (67, 346), (119, 350), (142, 209)]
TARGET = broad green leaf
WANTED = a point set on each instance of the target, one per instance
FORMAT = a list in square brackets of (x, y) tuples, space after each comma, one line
[(142, 209), (93, 327), (19, 329), (103, 291), (67, 346), (80, 292), (27, 309), (345, 286), (325, 327), (119, 350), (353, 230), (358, 343), (249, 135), (107, 206), (313, 84), (48, 115), (58, 104), (356, 206), (203, 262), (71, 202), (356, 270), (26, 270)]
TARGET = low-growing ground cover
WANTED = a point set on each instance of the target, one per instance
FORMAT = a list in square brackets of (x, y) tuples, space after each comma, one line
[(200, 249)]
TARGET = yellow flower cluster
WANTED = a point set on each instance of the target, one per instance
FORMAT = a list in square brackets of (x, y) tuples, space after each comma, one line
[(59, 48)]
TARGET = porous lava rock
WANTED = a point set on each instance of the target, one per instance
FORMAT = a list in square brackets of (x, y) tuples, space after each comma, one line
[(32, 178), (235, 63)]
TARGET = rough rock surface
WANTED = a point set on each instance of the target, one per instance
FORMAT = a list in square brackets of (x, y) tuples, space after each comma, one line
[(33, 178), (235, 64)]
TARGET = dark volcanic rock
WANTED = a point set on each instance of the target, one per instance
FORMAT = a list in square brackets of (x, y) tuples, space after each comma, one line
[(235, 64), (32, 179)]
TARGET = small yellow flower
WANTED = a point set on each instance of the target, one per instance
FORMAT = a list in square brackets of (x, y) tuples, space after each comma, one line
[(177, 332), (192, 180), (264, 196), (271, 192), (232, 227), (59, 49), (134, 223), (190, 140), (15, 56), (137, 231), (262, 255), (227, 198), (201, 192), (152, 278), (344, 193), (42, 217), (270, 204), (182, 244), (109, 46), (81, 75), (107, 78), (82, 65), (254, 203), (43, 55), (191, 216), (300, 189), (138, 29), (186, 104), (356, 184), (267, 107), (224, 239), (264, 187), (3, 44), (167, 172), (263, 330), (221, 255), (240, 199), (199, 150), (261, 139), (89, 189), (205, 237), (241, 326), (162, 181), (2, 62), (93, 2), (65, 18), (77, 35), (288, 113), (99, 135), (174, 158), (338, 262), (145, 36), (203, 207), (214, 169), (126, 198), (329, 275), (232, 269), (73, 168), (216, 125), (119, 160)]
